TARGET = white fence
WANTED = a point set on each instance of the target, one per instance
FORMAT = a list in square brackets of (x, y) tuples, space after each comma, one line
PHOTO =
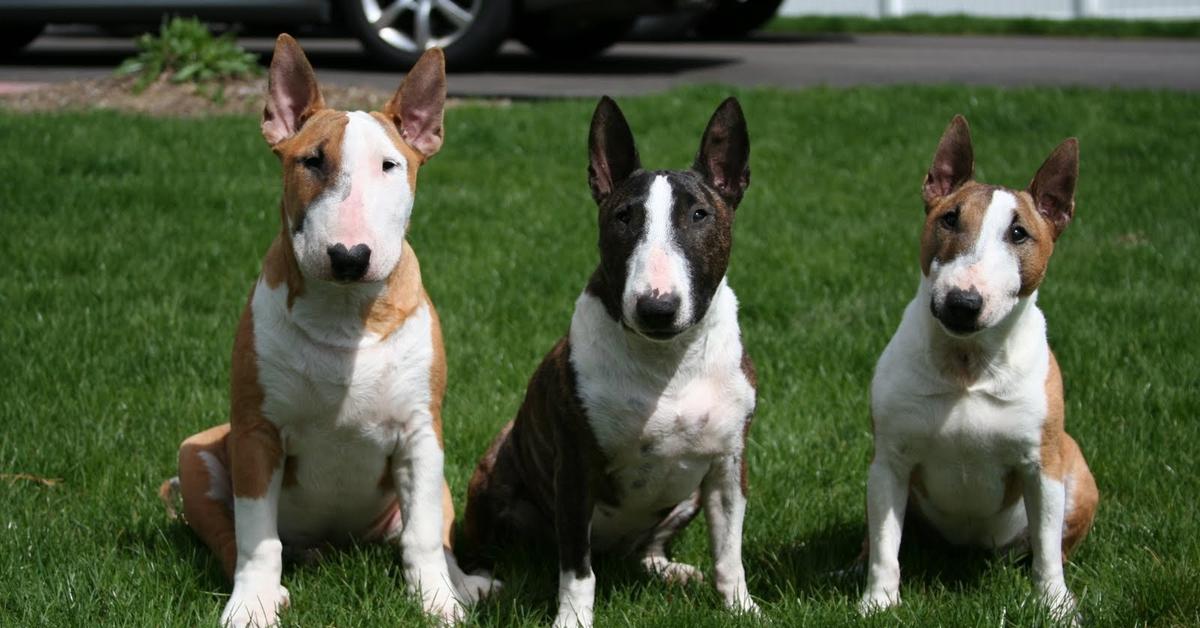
[(1054, 9)]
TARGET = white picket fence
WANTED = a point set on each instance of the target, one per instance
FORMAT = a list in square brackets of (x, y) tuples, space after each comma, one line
[(1054, 9)]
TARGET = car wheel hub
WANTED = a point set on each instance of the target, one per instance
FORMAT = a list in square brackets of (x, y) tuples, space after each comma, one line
[(417, 25)]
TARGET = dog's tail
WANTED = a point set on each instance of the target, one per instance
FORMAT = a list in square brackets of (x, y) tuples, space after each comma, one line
[(169, 494)]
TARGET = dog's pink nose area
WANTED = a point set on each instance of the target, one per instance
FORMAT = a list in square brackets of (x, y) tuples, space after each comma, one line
[(659, 271), (351, 217)]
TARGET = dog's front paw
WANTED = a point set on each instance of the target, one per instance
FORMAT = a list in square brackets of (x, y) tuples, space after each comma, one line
[(746, 606), (450, 612), (737, 598), (474, 587), (442, 603), (877, 600), (569, 617), (672, 572), (1061, 604), (253, 604)]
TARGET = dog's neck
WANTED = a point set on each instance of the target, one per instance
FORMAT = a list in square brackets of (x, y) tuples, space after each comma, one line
[(357, 315), (593, 321), (988, 353)]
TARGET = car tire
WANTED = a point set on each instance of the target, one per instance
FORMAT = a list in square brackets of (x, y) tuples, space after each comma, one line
[(732, 19), (565, 40), (468, 31), (15, 36)]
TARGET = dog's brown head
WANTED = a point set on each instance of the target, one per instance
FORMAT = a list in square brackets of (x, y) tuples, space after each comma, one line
[(349, 178), (985, 247)]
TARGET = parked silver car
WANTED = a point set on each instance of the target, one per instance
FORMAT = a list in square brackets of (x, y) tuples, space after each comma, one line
[(396, 31)]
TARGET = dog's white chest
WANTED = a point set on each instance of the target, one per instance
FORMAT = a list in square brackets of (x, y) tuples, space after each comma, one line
[(660, 431), (965, 443), (342, 413)]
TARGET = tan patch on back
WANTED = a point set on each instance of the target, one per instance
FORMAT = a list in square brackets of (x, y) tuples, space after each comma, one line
[(943, 244), (1052, 428), (255, 448)]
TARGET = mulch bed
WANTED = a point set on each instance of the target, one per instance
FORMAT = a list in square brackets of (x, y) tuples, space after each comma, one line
[(164, 98)]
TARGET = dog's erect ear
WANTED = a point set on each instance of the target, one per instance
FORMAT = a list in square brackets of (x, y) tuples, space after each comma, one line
[(724, 157), (953, 163), (419, 103), (611, 152), (1053, 187), (292, 92)]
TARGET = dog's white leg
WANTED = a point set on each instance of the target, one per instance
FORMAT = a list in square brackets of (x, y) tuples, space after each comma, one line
[(1045, 506), (887, 498), (725, 508), (654, 555), (257, 594), (576, 596), (418, 478)]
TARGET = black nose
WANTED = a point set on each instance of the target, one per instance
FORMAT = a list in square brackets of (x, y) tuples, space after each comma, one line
[(961, 310), (656, 312), (349, 265)]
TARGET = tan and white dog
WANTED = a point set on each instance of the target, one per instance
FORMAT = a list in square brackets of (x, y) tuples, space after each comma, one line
[(967, 399), (338, 368)]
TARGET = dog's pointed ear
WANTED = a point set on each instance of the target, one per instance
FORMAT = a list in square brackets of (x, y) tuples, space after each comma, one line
[(1053, 187), (612, 155), (292, 92), (724, 156), (953, 163), (419, 103)]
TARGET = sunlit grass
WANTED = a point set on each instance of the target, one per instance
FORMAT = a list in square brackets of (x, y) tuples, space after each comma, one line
[(129, 244)]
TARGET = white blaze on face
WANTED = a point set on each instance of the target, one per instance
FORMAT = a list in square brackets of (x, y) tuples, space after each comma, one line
[(991, 266), (657, 266), (363, 204)]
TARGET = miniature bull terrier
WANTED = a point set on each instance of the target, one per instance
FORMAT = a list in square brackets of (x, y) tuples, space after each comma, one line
[(967, 398), (338, 370), (638, 418)]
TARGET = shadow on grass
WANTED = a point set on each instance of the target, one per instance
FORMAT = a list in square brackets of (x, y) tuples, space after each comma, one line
[(831, 562)]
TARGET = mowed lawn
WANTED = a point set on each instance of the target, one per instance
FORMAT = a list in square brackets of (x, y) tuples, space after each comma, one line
[(129, 245)]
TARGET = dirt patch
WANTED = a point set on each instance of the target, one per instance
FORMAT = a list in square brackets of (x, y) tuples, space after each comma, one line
[(164, 98)]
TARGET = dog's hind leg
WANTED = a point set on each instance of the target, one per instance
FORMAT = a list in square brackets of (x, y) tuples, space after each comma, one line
[(654, 552), (1082, 496), (208, 493)]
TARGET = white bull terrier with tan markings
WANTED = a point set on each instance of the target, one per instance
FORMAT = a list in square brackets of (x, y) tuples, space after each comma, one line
[(338, 369), (967, 399)]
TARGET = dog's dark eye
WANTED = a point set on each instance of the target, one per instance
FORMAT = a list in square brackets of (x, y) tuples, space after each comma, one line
[(949, 219), (388, 164), (314, 161), (624, 215), (699, 215), (1017, 234)]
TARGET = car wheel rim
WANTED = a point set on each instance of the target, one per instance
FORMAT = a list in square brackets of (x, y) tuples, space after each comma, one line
[(417, 25)]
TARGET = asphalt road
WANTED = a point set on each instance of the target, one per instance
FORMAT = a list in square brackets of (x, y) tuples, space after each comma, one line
[(767, 60)]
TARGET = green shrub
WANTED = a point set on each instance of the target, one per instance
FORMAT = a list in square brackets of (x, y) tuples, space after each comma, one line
[(186, 52)]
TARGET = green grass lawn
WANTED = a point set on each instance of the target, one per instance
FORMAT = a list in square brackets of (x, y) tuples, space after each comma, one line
[(129, 245), (973, 25)]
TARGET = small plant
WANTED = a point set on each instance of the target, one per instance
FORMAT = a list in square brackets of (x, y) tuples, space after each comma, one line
[(185, 51)]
